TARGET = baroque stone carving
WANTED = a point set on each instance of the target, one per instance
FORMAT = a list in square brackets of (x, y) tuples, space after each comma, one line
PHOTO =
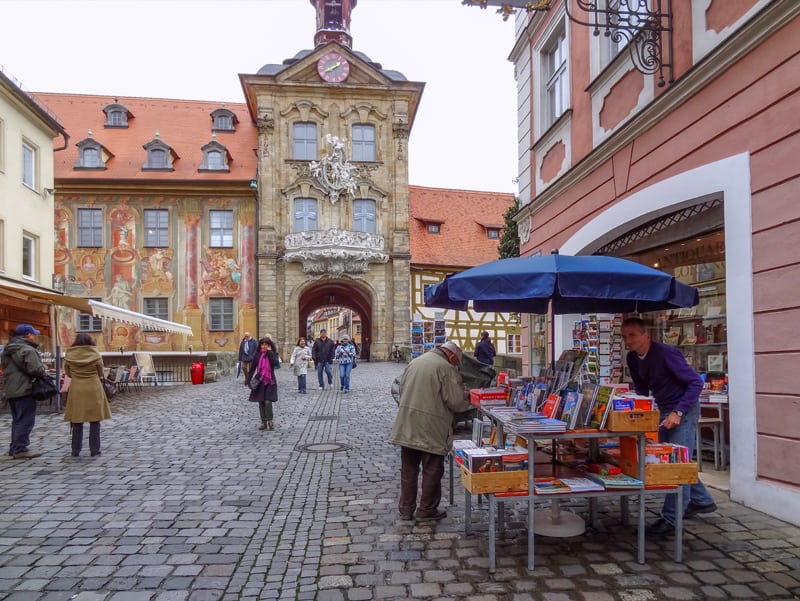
[(334, 172), (334, 252), (524, 229)]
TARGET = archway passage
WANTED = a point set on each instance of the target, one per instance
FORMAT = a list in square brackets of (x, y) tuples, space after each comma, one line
[(338, 293)]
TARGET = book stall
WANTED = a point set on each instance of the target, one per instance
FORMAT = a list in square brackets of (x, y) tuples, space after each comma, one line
[(563, 435)]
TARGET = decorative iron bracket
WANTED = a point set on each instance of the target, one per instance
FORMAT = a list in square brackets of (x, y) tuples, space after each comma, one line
[(646, 26)]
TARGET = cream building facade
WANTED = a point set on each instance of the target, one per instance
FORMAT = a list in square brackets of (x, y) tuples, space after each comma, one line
[(27, 135)]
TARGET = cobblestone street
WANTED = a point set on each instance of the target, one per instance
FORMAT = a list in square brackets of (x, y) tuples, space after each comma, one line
[(190, 501)]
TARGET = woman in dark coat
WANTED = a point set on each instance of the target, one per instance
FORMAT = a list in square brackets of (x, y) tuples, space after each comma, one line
[(87, 401), (262, 374)]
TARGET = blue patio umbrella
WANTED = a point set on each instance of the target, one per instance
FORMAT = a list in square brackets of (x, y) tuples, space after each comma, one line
[(565, 284)]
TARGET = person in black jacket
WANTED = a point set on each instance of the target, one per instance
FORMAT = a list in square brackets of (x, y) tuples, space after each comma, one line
[(248, 349), (322, 354), (484, 351), (21, 363), (264, 390)]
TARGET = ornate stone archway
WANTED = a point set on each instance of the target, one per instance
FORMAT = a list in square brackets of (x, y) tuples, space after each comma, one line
[(337, 292)]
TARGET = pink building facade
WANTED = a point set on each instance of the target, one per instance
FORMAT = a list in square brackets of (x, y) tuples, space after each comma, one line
[(699, 177)]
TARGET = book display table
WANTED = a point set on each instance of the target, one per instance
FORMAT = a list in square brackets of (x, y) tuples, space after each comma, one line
[(500, 494)]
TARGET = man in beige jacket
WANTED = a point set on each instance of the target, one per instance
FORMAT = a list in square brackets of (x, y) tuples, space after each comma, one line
[(431, 393)]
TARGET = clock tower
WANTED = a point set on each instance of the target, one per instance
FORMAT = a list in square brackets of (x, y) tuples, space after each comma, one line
[(333, 21), (332, 187)]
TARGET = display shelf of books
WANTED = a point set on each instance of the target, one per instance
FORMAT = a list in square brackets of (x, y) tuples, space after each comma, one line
[(599, 336), (699, 332)]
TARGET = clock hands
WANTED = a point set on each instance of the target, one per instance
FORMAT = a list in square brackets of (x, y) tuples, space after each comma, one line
[(333, 67)]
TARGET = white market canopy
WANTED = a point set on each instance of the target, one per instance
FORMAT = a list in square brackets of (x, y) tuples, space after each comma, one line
[(97, 309), (112, 313)]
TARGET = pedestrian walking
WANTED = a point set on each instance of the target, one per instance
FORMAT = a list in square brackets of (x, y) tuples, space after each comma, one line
[(21, 363), (299, 364), (87, 398), (345, 356), (322, 354), (248, 349), (484, 350), (260, 379), (431, 393)]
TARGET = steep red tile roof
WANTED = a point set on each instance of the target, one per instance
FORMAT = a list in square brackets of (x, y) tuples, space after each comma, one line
[(464, 216), (184, 125)]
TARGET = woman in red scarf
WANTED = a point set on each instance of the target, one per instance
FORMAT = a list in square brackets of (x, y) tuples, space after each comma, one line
[(264, 388)]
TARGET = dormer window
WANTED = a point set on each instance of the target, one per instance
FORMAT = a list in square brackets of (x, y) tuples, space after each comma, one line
[(492, 230), (117, 116), (159, 156), (215, 157), (433, 225), (92, 156), (223, 120)]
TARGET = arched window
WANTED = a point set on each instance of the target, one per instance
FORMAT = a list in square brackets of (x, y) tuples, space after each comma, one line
[(223, 120), (91, 158), (117, 115), (157, 158)]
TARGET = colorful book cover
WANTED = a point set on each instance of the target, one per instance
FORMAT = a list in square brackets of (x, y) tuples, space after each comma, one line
[(572, 403), (602, 403), (551, 405)]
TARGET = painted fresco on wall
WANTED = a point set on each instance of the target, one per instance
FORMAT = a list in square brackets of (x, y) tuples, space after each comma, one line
[(126, 272), (222, 275)]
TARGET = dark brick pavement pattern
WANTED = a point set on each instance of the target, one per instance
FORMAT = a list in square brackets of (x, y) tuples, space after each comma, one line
[(191, 502)]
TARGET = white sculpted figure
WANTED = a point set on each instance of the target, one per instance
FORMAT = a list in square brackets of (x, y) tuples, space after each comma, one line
[(335, 173)]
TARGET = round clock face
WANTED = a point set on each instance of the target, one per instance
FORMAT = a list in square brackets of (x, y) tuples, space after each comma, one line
[(333, 67)]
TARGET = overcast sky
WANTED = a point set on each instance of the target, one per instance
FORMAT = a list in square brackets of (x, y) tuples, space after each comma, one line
[(464, 135)]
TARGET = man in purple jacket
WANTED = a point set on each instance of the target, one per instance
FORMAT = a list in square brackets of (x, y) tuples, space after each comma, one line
[(662, 371)]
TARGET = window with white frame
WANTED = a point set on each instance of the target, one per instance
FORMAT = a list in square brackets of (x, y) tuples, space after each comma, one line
[(556, 77), (156, 227), (364, 215), (88, 322), (29, 256), (609, 47), (434, 228), (305, 215), (492, 234), (156, 307), (513, 343), (29, 165), (90, 228), (304, 141), (220, 229), (2, 146), (363, 141), (220, 314)]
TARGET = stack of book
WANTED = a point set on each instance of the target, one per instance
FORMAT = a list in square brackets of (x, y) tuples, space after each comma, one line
[(615, 481), (533, 426)]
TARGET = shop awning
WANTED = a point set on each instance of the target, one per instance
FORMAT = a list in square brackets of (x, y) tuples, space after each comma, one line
[(110, 312), (98, 309), (74, 302)]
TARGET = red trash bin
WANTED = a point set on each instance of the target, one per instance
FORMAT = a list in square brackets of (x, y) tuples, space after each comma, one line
[(198, 373)]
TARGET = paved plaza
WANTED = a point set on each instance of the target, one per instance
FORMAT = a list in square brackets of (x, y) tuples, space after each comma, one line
[(190, 501)]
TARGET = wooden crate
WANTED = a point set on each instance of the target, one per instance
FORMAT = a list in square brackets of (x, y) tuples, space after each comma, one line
[(478, 484), (660, 474), (632, 421)]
